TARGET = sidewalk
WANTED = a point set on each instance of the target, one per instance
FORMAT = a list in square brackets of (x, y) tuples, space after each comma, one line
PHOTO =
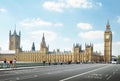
[(19, 68)]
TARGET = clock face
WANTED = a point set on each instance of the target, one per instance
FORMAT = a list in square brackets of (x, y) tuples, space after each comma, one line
[(107, 36)]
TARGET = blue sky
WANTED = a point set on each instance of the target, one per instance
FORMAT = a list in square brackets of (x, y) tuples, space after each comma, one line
[(63, 22)]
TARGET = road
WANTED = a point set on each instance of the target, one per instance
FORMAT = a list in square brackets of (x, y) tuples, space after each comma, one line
[(72, 72)]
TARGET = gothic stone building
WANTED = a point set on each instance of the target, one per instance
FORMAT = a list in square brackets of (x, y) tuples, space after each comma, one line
[(78, 55)]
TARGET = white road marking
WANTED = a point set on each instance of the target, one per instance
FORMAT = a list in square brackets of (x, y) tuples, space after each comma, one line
[(83, 73), (108, 77), (95, 76), (17, 78), (11, 80), (113, 73), (55, 72), (116, 69), (35, 75)]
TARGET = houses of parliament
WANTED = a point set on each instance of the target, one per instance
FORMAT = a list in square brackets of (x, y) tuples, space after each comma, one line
[(78, 55)]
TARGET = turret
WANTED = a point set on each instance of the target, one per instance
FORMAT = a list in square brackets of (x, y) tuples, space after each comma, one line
[(19, 33), (43, 43), (14, 40), (10, 33), (33, 47), (89, 46), (89, 52), (76, 48), (15, 30), (43, 47)]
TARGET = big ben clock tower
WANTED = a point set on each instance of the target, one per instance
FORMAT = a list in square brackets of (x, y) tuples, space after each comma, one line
[(107, 44)]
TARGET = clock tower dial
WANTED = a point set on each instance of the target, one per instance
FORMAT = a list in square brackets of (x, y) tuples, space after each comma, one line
[(107, 44), (107, 36)]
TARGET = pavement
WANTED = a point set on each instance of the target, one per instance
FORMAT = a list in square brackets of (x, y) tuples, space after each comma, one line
[(72, 72), (20, 68)]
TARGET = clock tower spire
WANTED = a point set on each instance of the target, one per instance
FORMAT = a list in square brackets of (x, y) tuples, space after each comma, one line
[(107, 43), (108, 26)]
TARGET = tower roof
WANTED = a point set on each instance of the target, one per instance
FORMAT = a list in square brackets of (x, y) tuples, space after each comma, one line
[(108, 26), (15, 30), (43, 38), (33, 47), (43, 43)]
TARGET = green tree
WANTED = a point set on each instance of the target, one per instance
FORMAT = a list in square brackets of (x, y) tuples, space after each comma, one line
[(119, 59)]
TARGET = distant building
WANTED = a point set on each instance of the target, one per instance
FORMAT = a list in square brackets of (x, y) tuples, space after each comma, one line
[(78, 55)]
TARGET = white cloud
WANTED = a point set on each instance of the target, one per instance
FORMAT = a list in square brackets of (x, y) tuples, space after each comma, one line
[(26, 44), (84, 26), (116, 43), (99, 4), (5, 45), (53, 6), (49, 35), (79, 4), (2, 10), (66, 39), (58, 24), (115, 48), (35, 22), (60, 5), (118, 19), (99, 47), (92, 35)]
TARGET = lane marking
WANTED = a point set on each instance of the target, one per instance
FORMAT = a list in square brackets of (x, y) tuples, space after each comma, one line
[(17, 78), (95, 76), (83, 73), (55, 72), (116, 69), (108, 77), (114, 73), (35, 75)]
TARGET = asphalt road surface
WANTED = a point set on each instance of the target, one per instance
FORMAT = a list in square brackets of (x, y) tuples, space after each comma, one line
[(73, 72)]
